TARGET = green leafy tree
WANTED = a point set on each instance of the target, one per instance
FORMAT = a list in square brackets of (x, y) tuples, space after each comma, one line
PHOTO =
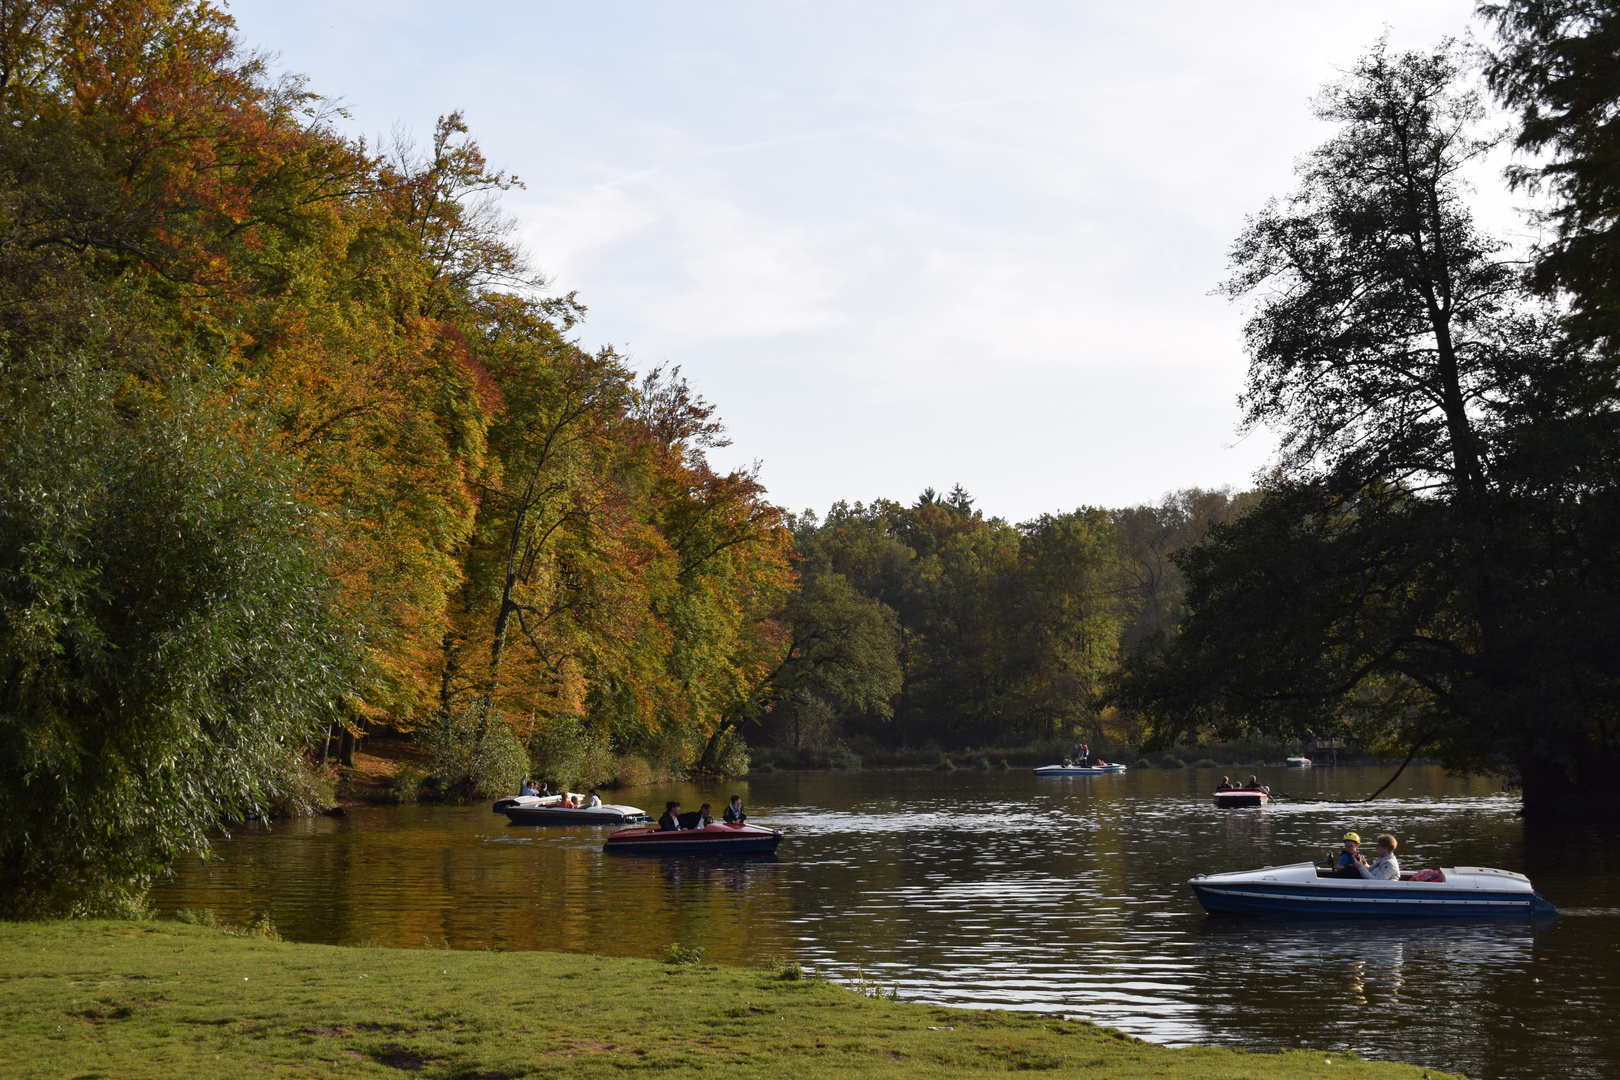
[(1419, 571), (1067, 619), (167, 632), (1555, 66), (1148, 537), (842, 654)]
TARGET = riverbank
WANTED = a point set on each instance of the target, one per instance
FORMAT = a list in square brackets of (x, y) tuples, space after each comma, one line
[(162, 999)]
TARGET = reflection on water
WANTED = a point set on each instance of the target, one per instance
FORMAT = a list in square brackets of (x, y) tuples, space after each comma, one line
[(1000, 889)]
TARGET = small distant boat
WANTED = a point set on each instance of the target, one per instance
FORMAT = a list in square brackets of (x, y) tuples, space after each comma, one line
[(714, 839), (1300, 761), (1305, 890), (1235, 798), (548, 810), (1078, 770)]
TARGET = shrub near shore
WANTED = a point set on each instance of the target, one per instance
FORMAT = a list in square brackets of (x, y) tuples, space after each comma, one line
[(158, 999)]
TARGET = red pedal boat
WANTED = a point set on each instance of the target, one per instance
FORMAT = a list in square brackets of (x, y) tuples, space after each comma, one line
[(716, 839), (1232, 798)]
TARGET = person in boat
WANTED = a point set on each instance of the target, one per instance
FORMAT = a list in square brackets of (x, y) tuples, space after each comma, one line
[(1067, 763), (593, 800), (704, 818), (1350, 860), (1254, 784), (569, 800), (1385, 867), (528, 788), (671, 820), (1085, 753), (1225, 784), (734, 812)]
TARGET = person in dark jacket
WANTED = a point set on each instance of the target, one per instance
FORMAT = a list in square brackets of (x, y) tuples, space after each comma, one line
[(672, 817), (734, 812)]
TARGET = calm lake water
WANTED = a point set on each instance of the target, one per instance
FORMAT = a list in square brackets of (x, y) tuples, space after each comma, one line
[(1002, 889)]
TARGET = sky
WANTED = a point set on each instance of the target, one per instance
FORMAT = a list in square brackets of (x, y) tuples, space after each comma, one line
[(901, 244)]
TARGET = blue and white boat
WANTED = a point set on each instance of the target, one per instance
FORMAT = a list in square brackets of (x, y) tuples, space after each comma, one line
[(1308, 891), (1078, 770)]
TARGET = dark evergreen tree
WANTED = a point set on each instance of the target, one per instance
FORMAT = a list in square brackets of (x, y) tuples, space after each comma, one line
[(1427, 567)]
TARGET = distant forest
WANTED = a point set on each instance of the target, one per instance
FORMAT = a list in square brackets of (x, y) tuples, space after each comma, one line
[(930, 624)]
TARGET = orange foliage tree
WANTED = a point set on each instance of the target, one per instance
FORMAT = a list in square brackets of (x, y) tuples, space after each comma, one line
[(509, 518)]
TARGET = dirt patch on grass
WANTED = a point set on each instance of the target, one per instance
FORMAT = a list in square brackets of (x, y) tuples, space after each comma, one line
[(399, 1057)]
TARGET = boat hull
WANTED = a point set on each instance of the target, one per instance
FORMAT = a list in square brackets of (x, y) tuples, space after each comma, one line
[(1234, 800), (1078, 770), (1296, 892), (712, 840), (607, 814)]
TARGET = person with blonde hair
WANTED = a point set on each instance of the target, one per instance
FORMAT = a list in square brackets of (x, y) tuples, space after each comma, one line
[(1385, 867)]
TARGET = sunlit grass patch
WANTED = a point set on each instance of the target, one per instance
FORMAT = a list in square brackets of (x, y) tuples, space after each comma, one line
[(158, 999)]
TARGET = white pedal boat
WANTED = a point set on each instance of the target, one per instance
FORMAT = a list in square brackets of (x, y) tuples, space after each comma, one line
[(1300, 761), (1078, 770), (1305, 890), (546, 810)]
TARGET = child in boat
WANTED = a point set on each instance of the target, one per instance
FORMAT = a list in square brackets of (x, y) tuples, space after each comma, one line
[(734, 812), (1385, 867), (671, 821), (1350, 860), (1225, 784)]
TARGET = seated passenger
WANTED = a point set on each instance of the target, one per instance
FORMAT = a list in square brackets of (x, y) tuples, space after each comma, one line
[(1066, 763), (671, 820), (1385, 867), (734, 811), (704, 818), (528, 788), (1225, 784), (1350, 860), (593, 801)]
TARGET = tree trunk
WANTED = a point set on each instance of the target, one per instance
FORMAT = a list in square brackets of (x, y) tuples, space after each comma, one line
[(346, 747), (1552, 792)]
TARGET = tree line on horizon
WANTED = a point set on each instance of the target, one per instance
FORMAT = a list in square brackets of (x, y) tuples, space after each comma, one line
[(931, 625)]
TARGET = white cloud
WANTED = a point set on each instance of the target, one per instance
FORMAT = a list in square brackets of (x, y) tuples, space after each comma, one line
[(897, 244)]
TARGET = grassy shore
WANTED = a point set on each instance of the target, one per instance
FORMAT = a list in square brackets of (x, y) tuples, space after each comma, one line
[(160, 999)]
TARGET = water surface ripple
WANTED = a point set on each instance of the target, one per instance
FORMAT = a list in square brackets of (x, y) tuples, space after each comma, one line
[(1000, 889)]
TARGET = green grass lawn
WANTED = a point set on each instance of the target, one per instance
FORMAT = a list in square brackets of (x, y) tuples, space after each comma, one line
[(160, 999)]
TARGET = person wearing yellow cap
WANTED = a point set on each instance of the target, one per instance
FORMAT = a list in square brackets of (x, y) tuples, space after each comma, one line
[(1350, 859)]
